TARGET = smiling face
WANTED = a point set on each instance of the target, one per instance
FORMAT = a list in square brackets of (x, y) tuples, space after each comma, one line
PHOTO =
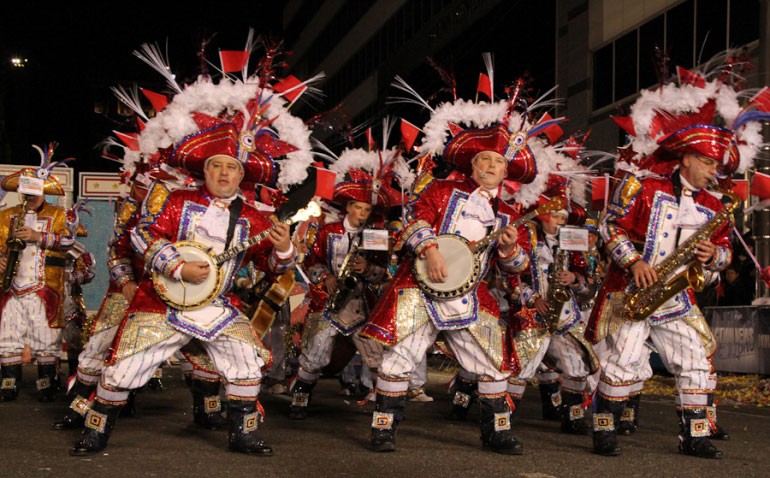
[(222, 176), (489, 169)]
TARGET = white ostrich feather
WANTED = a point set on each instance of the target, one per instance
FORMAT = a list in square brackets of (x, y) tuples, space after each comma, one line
[(174, 123)]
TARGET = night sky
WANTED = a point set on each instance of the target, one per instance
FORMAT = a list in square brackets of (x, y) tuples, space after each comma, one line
[(77, 52)]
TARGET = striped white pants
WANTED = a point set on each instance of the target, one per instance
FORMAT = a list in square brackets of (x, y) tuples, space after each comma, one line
[(91, 359), (23, 323), (400, 361), (318, 353), (238, 362), (625, 360)]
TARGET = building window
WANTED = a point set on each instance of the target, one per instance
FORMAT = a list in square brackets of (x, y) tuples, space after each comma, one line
[(690, 33)]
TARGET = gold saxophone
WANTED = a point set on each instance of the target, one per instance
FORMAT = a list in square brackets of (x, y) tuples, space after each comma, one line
[(347, 280), (641, 303), (558, 294), (14, 246)]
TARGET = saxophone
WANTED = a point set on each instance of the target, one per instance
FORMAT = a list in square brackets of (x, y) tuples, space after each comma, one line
[(641, 303), (14, 246), (558, 294), (347, 280)]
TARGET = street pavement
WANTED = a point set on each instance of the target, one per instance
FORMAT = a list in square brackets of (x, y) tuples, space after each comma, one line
[(162, 441)]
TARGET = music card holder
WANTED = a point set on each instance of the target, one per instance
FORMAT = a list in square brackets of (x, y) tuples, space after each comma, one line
[(573, 238), (375, 240), (31, 186)]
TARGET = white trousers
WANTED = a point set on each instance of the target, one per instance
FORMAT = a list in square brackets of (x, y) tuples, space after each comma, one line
[(91, 359), (625, 360), (24, 323), (238, 362), (318, 353), (401, 360)]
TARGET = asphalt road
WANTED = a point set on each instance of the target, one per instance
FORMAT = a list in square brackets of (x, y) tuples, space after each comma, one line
[(162, 441)]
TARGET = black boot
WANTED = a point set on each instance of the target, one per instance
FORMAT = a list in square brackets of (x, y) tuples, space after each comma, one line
[(207, 408), (48, 382), (79, 398), (388, 413), (496, 426), (694, 434), (606, 415), (300, 399), (11, 379), (243, 420), (629, 420), (550, 398), (718, 432), (100, 420), (573, 418), (155, 384), (464, 396), (129, 409)]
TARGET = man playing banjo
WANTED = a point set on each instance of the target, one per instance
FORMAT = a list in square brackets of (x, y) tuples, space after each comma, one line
[(214, 216), (408, 320)]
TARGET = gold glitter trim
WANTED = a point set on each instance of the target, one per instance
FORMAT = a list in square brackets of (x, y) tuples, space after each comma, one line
[(142, 331), (489, 333), (527, 343), (410, 312), (240, 329)]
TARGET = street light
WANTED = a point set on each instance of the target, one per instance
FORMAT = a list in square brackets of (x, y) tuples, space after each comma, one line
[(18, 62)]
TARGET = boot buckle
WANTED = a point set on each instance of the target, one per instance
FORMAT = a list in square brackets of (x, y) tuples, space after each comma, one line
[(382, 421), (8, 384), (96, 421), (461, 399), (43, 384), (212, 404), (604, 422), (80, 405)]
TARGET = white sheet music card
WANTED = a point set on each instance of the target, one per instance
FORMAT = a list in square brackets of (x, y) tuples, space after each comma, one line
[(31, 186), (375, 240), (573, 238)]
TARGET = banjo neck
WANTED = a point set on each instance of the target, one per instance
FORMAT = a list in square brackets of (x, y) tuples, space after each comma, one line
[(225, 256), (311, 210), (486, 241)]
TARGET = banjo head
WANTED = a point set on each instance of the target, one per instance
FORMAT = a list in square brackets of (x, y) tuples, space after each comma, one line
[(462, 265), (184, 295)]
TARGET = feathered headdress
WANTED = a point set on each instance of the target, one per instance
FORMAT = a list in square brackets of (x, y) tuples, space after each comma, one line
[(246, 119), (516, 128), (701, 111), (368, 175)]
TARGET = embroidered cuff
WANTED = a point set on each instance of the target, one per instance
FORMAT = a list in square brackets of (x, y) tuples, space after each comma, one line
[(419, 234), (721, 259), (163, 257), (623, 252), (517, 262)]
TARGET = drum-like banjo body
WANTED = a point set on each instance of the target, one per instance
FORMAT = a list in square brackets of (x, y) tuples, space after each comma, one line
[(184, 295), (463, 258), (463, 265)]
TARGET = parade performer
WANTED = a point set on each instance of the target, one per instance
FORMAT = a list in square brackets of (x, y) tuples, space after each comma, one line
[(228, 133), (344, 275), (661, 220), (35, 241), (498, 142), (557, 280), (80, 270)]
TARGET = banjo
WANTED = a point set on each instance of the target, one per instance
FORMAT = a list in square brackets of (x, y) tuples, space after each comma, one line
[(183, 295), (462, 258)]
